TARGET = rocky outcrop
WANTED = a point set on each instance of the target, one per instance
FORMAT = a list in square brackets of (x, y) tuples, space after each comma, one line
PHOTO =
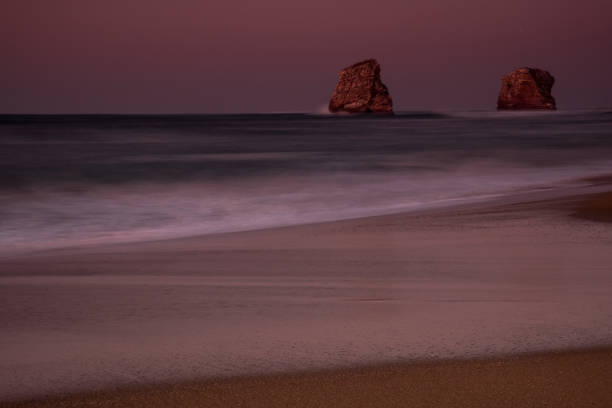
[(526, 89), (360, 90)]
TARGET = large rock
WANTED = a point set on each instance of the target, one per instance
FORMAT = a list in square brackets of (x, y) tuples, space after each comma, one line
[(526, 88), (360, 90)]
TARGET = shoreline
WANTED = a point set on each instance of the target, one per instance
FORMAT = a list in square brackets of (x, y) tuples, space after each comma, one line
[(558, 198), (567, 378), (376, 251)]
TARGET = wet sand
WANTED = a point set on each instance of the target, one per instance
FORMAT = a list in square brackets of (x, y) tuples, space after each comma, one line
[(596, 207), (527, 274), (576, 379)]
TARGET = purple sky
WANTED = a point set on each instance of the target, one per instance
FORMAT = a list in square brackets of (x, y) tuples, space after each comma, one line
[(199, 56)]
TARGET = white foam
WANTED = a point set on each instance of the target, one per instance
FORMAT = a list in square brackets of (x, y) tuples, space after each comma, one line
[(55, 218)]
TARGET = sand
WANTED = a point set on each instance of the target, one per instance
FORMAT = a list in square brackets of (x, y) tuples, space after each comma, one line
[(577, 379), (596, 207), (517, 276)]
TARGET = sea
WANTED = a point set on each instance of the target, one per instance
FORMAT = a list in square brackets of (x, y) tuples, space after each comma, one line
[(74, 180), (78, 319)]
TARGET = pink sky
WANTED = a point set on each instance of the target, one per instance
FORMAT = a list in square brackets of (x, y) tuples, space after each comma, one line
[(200, 56)]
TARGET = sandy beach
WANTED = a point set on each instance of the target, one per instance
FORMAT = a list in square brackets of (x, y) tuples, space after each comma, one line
[(458, 306), (576, 379)]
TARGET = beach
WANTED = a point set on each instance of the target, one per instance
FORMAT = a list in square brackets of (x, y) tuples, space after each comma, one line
[(305, 204), (505, 302), (576, 379)]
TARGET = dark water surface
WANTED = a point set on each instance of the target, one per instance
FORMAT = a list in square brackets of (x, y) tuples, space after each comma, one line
[(69, 180)]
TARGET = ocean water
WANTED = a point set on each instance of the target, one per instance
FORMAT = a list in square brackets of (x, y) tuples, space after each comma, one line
[(278, 301), (76, 180)]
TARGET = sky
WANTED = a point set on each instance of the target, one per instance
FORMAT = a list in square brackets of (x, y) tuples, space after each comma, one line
[(238, 56)]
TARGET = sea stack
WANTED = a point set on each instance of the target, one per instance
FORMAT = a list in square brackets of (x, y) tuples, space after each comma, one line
[(360, 90), (526, 89)]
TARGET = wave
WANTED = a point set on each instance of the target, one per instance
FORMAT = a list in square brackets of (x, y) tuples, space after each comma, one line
[(50, 216), (69, 180)]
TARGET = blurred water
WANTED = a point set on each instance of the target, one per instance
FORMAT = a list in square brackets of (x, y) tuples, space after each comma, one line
[(289, 300), (71, 180)]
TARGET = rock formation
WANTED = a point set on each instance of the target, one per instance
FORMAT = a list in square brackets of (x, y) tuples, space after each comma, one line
[(360, 90), (526, 89)]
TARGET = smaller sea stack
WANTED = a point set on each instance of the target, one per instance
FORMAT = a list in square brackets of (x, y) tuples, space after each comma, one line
[(527, 89), (360, 90)]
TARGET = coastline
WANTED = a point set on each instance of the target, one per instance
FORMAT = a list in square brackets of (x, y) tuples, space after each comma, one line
[(581, 201), (388, 255)]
